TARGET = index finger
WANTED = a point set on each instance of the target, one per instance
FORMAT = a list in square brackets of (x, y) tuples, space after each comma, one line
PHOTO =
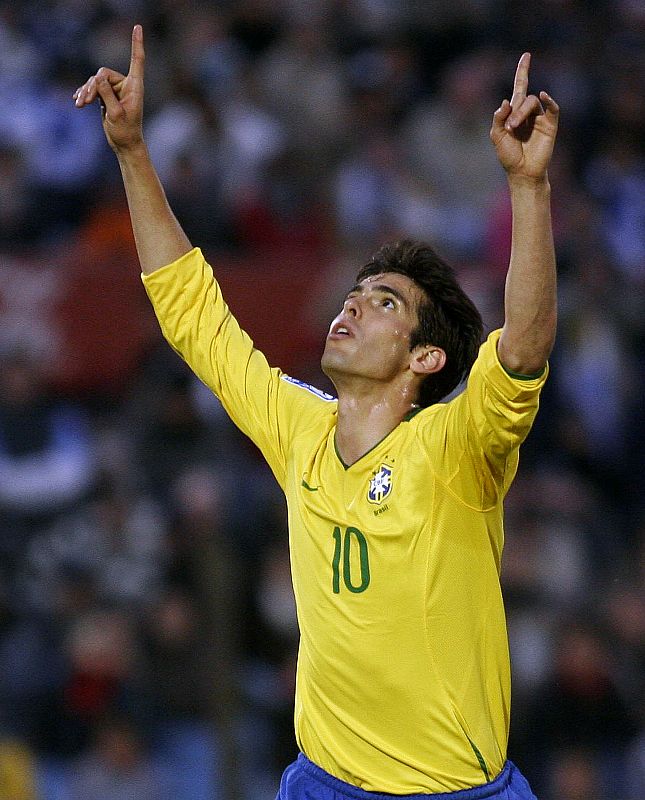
[(137, 55), (521, 83)]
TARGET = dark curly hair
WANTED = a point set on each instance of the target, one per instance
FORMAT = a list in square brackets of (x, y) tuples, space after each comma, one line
[(447, 318)]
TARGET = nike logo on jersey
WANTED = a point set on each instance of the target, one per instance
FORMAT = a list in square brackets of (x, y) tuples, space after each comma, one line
[(305, 485)]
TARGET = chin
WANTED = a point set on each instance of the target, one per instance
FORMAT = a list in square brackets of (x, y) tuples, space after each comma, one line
[(332, 364), (325, 364)]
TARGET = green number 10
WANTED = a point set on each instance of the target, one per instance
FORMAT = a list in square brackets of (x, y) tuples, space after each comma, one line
[(343, 546)]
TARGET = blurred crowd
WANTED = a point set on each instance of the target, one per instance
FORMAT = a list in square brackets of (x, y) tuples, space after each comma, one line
[(147, 627)]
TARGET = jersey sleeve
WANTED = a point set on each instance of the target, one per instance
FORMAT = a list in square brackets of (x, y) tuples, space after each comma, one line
[(197, 323), (485, 426)]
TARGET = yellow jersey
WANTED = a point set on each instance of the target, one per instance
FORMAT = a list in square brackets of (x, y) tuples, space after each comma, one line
[(403, 677)]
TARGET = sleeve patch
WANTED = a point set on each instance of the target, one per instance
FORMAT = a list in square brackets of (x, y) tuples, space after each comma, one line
[(318, 392)]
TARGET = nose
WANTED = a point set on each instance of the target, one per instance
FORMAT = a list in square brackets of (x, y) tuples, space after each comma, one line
[(352, 306)]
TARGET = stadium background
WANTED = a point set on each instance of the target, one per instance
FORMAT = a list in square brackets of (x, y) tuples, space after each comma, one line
[(147, 630)]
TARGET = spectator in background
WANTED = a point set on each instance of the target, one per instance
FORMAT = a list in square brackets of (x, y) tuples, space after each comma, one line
[(174, 436), (625, 619), (636, 768), (177, 680), (32, 671), (103, 662), (117, 766), (187, 142), (277, 615), (576, 775), (375, 195), (61, 174), (303, 85), (616, 178), (175, 661), (17, 771), (18, 217), (115, 541), (596, 386), (46, 453), (580, 707), (456, 115)]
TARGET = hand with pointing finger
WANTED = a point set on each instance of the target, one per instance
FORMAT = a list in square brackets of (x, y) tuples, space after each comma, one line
[(121, 98), (525, 128)]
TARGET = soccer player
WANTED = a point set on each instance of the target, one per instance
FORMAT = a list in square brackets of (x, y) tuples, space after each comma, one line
[(394, 498)]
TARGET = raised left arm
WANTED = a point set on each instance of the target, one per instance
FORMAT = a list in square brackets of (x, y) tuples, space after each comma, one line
[(523, 133)]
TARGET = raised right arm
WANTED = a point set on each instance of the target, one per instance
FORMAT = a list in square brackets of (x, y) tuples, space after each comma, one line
[(187, 299), (158, 235)]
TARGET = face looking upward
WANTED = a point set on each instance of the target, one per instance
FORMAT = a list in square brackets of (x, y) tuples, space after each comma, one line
[(370, 338)]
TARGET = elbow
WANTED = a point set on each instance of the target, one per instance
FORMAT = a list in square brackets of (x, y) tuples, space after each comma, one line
[(527, 354), (530, 367)]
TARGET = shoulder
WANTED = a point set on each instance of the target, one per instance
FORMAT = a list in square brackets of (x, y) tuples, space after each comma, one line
[(306, 391), (490, 374), (306, 406)]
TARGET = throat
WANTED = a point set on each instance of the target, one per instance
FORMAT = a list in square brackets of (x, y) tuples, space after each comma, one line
[(359, 430)]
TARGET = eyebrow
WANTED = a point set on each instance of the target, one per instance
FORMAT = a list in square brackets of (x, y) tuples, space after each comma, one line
[(380, 287)]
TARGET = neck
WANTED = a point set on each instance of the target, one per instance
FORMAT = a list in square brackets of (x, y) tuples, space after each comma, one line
[(364, 420)]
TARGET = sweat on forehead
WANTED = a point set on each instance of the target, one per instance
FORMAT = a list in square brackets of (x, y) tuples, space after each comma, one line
[(399, 285)]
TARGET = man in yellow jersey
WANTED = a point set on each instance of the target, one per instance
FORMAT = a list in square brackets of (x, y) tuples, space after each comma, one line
[(394, 498)]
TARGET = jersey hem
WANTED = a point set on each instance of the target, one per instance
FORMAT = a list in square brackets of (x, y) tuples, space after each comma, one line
[(489, 789)]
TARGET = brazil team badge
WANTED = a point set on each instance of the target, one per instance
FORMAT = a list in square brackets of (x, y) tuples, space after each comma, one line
[(380, 485)]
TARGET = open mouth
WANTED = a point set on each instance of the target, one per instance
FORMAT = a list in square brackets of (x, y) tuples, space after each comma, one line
[(339, 331)]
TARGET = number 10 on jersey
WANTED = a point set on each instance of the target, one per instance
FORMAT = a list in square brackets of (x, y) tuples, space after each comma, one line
[(342, 562)]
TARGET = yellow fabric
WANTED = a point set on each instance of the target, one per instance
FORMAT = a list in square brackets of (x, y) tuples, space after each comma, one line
[(16, 771), (403, 669)]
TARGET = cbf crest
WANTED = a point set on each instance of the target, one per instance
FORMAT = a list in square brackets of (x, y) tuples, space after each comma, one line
[(380, 485)]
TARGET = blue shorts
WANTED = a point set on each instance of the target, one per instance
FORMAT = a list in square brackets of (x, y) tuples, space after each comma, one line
[(304, 780)]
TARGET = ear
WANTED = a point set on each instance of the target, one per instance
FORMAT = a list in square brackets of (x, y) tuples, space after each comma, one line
[(427, 359)]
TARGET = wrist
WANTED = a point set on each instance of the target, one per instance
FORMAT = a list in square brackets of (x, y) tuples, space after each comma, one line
[(528, 182), (132, 151)]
